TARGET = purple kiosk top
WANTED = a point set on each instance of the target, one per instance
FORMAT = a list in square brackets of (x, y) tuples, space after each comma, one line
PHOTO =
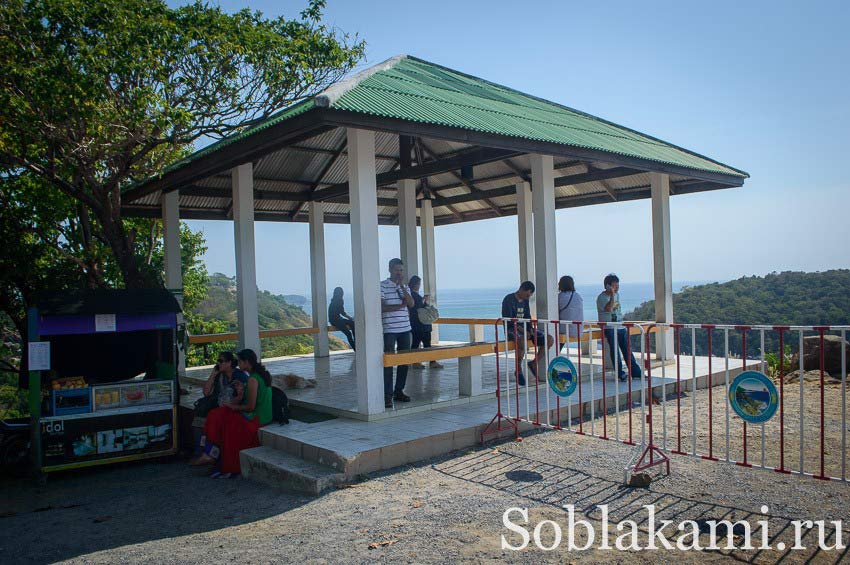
[(85, 324)]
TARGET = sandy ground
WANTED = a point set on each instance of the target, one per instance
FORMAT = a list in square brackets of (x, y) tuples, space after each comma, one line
[(766, 445), (445, 510)]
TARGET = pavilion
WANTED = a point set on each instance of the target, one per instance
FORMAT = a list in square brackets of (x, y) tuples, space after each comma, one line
[(407, 142)]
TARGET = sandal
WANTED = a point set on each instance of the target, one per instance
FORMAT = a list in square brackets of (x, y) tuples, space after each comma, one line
[(202, 460)]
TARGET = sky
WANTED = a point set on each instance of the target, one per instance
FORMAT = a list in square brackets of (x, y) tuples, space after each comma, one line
[(760, 86)]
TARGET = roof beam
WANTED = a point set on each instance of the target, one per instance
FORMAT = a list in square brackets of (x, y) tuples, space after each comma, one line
[(518, 173), (333, 159), (278, 136), (569, 180), (524, 145), (206, 214), (475, 157), (303, 196), (468, 184), (426, 189), (323, 151)]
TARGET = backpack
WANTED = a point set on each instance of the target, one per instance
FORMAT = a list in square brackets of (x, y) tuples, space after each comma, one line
[(280, 406)]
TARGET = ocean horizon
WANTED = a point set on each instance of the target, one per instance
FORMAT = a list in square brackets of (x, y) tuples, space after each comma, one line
[(487, 303)]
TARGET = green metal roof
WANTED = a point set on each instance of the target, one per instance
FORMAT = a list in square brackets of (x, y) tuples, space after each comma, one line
[(419, 91), (414, 90)]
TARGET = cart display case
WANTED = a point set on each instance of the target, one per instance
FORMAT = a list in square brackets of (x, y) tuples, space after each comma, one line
[(103, 379)]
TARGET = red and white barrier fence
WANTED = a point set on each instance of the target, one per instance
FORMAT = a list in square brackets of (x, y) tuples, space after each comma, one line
[(758, 420)]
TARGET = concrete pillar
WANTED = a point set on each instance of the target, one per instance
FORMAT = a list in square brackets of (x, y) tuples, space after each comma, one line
[(526, 236), (171, 240), (246, 271), (407, 226), (363, 194), (661, 260), (172, 259), (545, 256), (318, 280), (471, 369), (429, 263)]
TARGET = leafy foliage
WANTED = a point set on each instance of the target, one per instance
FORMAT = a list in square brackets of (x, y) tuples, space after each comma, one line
[(275, 312), (97, 95), (787, 298)]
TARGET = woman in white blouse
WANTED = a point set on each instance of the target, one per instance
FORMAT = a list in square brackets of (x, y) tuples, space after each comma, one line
[(570, 305)]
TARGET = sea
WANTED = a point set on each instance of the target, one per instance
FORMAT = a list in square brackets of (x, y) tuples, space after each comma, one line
[(487, 303)]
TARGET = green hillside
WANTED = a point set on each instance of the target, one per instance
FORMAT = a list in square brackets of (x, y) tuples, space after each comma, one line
[(274, 313), (788, 298)]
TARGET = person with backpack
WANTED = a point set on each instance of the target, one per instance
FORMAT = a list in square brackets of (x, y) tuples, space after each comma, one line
[(232, 427), (570, 307)]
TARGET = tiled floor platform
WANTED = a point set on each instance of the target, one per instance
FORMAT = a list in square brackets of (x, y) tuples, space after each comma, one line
[(438, 421)]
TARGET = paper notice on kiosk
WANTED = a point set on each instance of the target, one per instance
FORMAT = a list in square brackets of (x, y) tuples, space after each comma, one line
[(104, 323), (39, 356)]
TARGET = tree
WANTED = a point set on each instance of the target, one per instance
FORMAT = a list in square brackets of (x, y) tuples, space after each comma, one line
[(97, 95)]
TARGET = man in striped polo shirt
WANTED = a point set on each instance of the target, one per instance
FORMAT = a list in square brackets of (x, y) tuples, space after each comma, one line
[(395, 301)]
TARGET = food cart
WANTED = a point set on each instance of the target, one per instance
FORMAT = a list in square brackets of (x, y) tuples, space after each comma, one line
[(103, 382)]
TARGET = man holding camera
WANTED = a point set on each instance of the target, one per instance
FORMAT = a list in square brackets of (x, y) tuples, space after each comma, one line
[(395, 301)]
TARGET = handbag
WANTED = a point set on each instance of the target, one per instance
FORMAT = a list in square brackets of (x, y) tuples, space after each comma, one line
[(427, 314), (205, 404)]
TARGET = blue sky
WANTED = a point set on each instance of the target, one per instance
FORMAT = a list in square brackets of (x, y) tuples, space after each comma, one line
[(761, 86)]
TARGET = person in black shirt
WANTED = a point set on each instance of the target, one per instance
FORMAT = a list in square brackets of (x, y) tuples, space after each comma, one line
[(515, 307), (339, 318), (421, 332)]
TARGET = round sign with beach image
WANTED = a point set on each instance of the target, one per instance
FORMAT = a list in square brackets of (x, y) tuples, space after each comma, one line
[(753, 397), (562, 376)]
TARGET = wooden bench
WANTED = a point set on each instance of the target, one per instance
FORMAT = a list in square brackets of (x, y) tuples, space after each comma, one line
[(470, 368)]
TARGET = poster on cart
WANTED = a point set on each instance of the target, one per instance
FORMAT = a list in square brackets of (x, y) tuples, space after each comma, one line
[(72, 440)]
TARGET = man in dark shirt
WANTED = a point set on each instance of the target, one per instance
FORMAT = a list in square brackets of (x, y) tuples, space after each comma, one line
[(515, 308)]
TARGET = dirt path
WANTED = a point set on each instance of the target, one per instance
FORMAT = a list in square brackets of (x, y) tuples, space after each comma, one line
[(444, 510)]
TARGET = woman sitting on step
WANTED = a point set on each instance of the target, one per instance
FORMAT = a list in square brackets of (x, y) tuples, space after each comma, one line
[(232, 427)]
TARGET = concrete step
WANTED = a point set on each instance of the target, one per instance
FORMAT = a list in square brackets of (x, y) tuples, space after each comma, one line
[(280, 469)]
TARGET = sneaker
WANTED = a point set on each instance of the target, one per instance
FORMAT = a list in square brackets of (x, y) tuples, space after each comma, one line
[(520, 379), (388, 402), (401, 397), (622, 377)]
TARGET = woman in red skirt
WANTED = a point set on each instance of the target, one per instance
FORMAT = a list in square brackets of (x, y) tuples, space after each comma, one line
[(230, 428)]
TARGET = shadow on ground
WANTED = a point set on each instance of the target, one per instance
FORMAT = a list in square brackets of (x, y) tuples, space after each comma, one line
[(97, 509), (557, 485)]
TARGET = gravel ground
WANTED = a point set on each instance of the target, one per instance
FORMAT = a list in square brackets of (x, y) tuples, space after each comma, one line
[(447, 509)]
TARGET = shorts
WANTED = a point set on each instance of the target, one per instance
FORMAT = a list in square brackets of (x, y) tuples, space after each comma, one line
[(538, 337)]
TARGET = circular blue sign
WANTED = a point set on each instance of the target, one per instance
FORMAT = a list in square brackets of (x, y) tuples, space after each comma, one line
[(753, 397), (562, 376)]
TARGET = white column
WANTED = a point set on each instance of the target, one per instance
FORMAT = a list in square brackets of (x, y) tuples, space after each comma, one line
[(429, 263), (545, 256), (363, 194), (662, 261), (318, 280), (171, 240), (471, 369), (407, 226), (172, 258), (246, 272), (526, 237)]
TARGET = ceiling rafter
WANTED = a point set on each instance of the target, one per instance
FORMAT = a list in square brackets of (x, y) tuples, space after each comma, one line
[(468, 184), (328, 165)]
